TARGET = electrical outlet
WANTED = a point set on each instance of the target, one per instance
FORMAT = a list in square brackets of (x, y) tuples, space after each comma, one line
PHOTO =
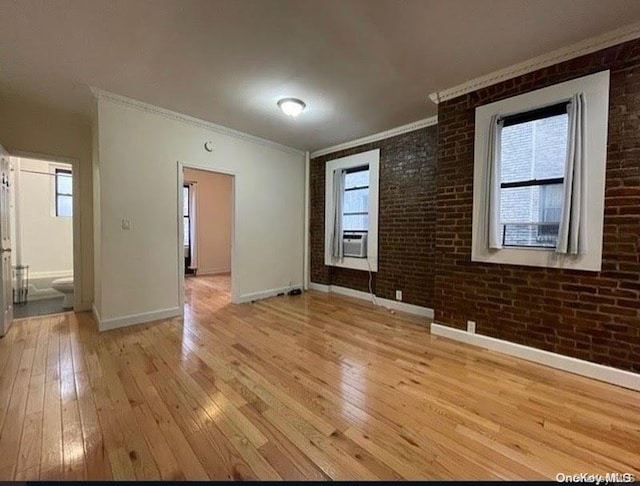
[(471, 327), (399, 295)]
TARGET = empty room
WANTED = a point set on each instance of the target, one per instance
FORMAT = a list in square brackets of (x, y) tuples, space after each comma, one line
[(320, 240)]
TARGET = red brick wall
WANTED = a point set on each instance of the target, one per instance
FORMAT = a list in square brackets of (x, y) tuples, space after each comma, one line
[(592, 316), (406, 231)]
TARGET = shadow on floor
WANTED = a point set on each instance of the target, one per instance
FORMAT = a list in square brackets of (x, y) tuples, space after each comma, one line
[(38, 308)]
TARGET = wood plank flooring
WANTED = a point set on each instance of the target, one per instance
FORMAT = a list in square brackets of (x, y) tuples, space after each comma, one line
[(310, 387)]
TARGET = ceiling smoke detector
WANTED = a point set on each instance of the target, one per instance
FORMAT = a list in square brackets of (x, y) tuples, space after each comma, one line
[(291, 106)]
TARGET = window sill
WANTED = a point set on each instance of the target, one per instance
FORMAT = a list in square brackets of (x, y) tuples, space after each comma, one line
[(356, 263), (528, 248), (538, 257)]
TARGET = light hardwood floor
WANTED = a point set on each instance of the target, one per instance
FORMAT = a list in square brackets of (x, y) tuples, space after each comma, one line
[(316, 386)]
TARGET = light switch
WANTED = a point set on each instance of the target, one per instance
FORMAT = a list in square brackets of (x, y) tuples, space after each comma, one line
[(126, 224)]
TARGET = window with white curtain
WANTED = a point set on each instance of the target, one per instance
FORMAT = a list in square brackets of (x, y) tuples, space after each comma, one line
[(351, 207), (539, 174)]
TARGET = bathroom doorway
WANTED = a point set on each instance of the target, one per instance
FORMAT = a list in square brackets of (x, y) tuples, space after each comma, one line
[(206, 237), (42, 235)]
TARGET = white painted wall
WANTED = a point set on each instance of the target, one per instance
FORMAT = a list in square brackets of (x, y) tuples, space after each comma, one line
[(138, 151), (213, 220), (30, 127)]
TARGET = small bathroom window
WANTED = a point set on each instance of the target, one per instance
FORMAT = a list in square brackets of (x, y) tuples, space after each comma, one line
[(64, 193)]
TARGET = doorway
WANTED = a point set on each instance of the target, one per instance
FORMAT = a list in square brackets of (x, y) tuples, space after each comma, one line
[(42, 235), (189, 225), (206, 237)]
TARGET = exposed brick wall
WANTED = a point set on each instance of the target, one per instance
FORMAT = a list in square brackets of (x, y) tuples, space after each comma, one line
[(406, 223), (592, 316)]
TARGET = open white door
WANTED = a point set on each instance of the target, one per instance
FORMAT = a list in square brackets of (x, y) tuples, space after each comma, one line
[(6, 293)]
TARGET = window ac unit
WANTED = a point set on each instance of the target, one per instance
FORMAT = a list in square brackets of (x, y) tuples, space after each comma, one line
[(354, 245)]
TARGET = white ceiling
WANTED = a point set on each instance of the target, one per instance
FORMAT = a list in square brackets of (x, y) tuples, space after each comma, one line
[(362, 66)]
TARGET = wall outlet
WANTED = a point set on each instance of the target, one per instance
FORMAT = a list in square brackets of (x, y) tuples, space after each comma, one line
[(471, 327), (399, 295), (126, 224)]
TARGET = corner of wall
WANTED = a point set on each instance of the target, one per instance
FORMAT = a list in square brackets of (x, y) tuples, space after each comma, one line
[(97, 221)]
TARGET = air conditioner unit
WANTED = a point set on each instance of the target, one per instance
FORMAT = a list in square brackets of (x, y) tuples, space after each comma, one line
[(354, 245)]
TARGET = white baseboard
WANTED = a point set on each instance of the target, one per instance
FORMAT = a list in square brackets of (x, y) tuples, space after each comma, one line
[(130, 320), (213, 271), (408, 308), (319, 287), (265, 294), (388, 303), (596, 371)]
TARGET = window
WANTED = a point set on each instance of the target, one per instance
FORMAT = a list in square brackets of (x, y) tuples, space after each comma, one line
[(64, 193), (530, 182), (356, 209), (533, 154), (355, 215), (186, 215)]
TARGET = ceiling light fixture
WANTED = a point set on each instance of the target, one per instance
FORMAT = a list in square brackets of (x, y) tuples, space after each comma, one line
[(291, 106)]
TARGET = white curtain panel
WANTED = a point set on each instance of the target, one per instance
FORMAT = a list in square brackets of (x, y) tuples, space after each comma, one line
[(571, 235), (337, 251), (491, 200), (193, 226)]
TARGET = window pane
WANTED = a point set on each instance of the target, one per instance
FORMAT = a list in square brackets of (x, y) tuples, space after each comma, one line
[(356, 201), (535, 149), (519, 204), (551, 203), (528, 235), (185, 222), (356, 222), (550, 212), (526, 213), (185, 201), (65, 183), (65, 206), (356, 179)]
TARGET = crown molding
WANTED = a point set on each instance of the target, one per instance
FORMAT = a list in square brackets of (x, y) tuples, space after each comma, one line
[(587, 46), (189, 120), (410, 127)]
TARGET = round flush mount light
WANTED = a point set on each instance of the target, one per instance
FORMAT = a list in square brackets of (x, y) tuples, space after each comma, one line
[(291, 106)]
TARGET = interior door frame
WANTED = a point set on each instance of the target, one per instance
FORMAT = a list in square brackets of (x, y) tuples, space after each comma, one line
[(6, 320), (76, 217), (235, 294)]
